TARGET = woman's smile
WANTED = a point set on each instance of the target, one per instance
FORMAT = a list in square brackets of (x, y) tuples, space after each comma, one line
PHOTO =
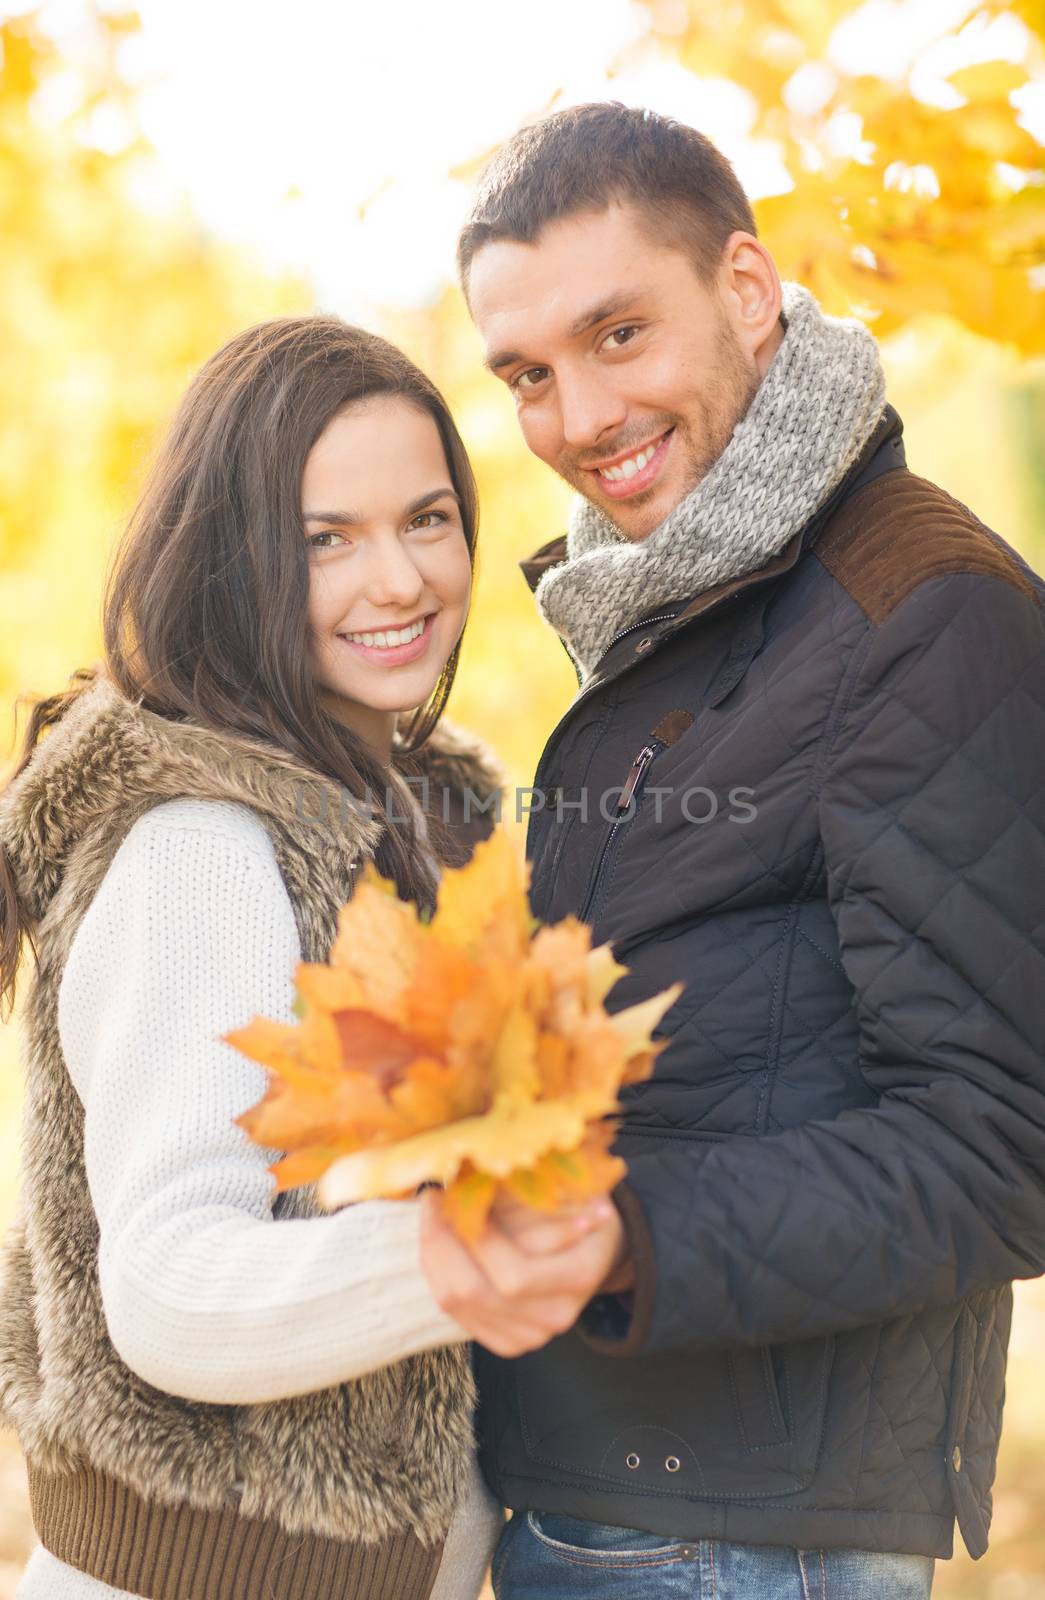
[(392, 647)]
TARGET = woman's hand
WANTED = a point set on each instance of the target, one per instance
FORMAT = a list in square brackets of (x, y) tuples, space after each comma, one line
[(529, 1275)]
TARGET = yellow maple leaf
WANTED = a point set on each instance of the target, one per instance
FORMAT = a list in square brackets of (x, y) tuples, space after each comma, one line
[(482, 906)]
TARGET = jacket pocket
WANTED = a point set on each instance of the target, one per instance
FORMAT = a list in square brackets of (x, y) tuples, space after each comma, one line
[(756, 1397), (744, 1423)]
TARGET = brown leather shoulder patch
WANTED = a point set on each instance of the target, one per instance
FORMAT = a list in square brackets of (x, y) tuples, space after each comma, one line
[(900, 530)]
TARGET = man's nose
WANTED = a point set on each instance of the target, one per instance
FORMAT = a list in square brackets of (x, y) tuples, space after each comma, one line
[(590, 409)]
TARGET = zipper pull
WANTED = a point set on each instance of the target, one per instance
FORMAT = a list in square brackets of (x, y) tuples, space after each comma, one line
[(638, 767), (668, 729)]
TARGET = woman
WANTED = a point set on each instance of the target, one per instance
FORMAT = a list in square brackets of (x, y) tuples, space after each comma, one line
[(219, 1395)]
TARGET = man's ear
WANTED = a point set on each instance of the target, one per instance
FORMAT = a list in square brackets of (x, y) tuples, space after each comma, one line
[(750, 287)]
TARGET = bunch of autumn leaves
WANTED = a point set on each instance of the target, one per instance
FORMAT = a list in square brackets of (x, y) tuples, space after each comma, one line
[(472, 1050)]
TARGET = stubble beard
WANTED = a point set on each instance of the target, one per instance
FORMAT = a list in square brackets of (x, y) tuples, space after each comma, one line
[(725, 404)]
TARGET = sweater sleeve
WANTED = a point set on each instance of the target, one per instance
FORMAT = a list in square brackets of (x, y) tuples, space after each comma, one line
[(207, 1295)]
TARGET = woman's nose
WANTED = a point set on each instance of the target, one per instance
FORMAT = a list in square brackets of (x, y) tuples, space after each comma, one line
[(392, 577)]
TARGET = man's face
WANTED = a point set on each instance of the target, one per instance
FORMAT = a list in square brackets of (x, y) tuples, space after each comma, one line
[(627, 371)]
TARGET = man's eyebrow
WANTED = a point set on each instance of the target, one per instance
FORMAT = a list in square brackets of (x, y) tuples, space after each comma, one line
[(601, 310), (588, 319), (348, 518)]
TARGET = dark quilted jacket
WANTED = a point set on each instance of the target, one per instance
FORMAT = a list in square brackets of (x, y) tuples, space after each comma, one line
[(836, 839)]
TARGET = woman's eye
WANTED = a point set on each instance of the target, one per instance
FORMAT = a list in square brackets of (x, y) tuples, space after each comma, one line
[(429, 519), (624, 335), (530, 378), (329, 533)]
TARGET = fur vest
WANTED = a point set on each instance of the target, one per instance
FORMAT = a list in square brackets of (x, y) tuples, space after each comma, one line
[(316, 1465)]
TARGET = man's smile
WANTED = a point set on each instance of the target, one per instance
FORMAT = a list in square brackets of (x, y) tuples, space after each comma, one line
[(627, 475)]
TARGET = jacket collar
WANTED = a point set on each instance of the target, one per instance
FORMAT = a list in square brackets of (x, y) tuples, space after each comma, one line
[(883, 451)]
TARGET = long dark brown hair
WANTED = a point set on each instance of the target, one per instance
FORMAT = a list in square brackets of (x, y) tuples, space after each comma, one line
[(205, 606)]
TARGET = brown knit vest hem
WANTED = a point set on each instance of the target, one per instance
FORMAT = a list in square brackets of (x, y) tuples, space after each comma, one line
[(97, 1523)]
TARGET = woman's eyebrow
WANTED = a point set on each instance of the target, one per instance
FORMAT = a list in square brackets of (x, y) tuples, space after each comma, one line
[(331, 516), (350, 517)]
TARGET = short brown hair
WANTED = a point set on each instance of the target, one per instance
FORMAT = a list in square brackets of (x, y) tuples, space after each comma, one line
[(586, 157)]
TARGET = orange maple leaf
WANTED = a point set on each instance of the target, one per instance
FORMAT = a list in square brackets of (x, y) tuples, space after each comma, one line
[(466, 1051)]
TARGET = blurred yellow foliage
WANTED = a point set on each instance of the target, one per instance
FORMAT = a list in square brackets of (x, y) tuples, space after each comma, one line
[(909, 208), (104, 314)]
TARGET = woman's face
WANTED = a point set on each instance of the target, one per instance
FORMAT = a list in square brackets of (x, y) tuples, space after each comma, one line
[(389, 570)]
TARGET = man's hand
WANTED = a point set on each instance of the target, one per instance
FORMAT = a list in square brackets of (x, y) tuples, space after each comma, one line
[(528, 1276)]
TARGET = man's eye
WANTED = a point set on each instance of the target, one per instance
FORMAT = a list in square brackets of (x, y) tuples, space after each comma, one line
[(624, 334), (531, 378)]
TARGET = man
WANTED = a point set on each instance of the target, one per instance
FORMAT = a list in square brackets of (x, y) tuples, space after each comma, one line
[(813, 686)]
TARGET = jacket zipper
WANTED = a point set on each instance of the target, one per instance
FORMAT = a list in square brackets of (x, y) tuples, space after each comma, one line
[(628, 793), (600, 683), (649, 622), (586, 694)]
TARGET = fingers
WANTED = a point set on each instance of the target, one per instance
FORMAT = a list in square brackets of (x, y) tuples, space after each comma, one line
[(547, 1235), (538, 1233), (509, 1337), (454, 1276), (509, 1298), (517, 1275), (461, 1289)]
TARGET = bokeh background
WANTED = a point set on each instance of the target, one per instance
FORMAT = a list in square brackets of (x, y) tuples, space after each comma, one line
[(172, 173)]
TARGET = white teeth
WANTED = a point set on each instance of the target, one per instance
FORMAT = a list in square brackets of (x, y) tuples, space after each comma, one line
[(628, 469), (388, 639)]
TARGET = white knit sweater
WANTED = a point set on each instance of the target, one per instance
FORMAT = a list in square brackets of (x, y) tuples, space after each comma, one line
[(205, 1294)]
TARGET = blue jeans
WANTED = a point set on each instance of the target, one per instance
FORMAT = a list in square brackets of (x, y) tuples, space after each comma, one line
[(543, 1555)]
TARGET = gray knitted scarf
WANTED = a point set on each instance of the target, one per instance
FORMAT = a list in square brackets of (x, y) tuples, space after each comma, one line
[(811, 415)]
